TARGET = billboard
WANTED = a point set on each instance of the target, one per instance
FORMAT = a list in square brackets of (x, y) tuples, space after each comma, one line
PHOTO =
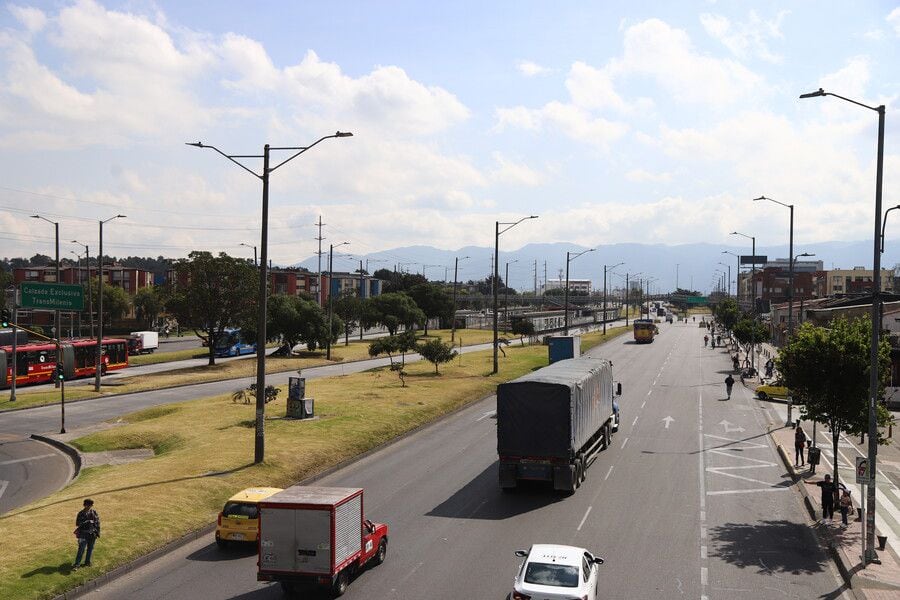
[(754, 260)]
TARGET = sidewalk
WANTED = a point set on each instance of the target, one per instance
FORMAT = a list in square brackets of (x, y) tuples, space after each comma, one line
[(871, 582)]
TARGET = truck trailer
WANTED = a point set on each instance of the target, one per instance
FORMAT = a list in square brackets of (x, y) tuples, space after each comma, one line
[(552, 423), (317, 536)]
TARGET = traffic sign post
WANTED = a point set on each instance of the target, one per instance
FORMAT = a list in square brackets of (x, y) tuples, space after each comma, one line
[(51, 296)]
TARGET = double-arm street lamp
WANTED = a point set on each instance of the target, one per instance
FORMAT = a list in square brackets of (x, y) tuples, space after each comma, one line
[(791, 269), (87, 265), (255, 262), (497, 233), (455, 284), (99, 356), (56, 326), (569, 258), (628, 293), (870, 555), (259, 444), (605, 269), (737, 275)]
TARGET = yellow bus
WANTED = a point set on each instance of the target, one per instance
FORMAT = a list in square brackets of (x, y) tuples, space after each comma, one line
[(644, 330)]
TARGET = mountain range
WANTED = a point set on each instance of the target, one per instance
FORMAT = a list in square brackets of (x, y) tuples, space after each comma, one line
[(686, 265)]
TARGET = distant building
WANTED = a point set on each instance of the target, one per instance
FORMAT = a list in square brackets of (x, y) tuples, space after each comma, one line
[(857, 280), (575, 285)]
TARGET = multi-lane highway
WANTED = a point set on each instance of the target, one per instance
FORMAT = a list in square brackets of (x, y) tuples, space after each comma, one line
[(30, 470), (691, 501)]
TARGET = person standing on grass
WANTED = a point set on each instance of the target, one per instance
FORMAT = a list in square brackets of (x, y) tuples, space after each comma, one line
[(799, 445), (828, 489), (87, 530)]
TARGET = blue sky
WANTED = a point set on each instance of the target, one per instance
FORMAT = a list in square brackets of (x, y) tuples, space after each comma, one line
[(615, 122)]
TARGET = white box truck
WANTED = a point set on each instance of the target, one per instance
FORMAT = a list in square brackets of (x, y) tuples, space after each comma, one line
[(142, 342), (317, 536)]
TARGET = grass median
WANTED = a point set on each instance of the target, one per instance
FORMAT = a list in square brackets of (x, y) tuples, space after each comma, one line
[(203, 454), (119, 383)]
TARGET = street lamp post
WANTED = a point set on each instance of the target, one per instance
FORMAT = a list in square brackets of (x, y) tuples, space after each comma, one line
[(752, 297), (876, 325), (497, 233), (58, 329), (566, 301), (628, 294), (790, 330), (455, 283), (331, 248), (255, 262), (605, 269), (259, 443), (87, 266), (728, 290), (98, 362), (506, 293), (737, 275)]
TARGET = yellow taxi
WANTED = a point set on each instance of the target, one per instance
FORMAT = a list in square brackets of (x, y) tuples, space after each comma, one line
[(766, 391), (239, 519)]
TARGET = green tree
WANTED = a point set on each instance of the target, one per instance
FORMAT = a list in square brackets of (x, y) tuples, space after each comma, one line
[(392, 310), (348, 306), (395, 281), (434, 301), (148, 303), (828, 370), (214, 292), (115, 300), (728, 313), (521, 328), (299, 321), (383, 345), (748, 332), (436, 352)]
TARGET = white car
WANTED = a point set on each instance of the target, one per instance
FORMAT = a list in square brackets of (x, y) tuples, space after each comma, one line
[(554, 572)]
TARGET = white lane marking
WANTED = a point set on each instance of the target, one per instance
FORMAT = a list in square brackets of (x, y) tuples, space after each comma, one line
[(729, 428), (668, 421), (489, 413), (633, 422), (3, 485), (625, 442), (704, 576), (605, 477), (643, 403), (584, 518), (703, 553), (701, 478), (26, 459), (649, 392), (750, 491)]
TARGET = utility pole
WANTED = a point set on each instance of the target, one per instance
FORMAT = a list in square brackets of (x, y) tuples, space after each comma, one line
[(362, 296), (535, 278), (319, 254)]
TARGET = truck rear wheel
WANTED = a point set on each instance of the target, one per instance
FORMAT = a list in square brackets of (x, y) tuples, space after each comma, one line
[(340, 584)]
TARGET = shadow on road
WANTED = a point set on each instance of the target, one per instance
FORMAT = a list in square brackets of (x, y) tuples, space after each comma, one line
[(482, 498), (233, 551), (770, 547)]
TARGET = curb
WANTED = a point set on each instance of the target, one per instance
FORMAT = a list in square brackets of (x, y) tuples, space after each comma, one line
[(70, 451)]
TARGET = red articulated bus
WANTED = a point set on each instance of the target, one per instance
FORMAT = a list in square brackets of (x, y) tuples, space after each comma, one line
[(36, 362)]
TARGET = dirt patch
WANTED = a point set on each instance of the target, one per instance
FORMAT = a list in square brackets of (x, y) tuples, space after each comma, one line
[(115, 457)]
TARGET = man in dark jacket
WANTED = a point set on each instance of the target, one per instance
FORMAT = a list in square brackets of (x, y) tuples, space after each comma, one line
[(87, 530)]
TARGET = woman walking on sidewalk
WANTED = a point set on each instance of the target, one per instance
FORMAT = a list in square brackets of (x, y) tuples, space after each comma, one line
[(845, 504), (799, 445)]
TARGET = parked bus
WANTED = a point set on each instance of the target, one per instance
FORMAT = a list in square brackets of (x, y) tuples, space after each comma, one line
[(644, 330), (36, 362), (232, 343)]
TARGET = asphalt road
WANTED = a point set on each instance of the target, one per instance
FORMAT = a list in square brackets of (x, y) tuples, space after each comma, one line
[(691, 501), (29, 470)]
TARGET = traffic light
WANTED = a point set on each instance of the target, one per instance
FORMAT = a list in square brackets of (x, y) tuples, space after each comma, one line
[(60, 373), (5, 317)]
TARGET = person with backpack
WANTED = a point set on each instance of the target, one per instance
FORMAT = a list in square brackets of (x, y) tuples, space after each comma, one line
[(799, 445), (729, 383), (87, 530)]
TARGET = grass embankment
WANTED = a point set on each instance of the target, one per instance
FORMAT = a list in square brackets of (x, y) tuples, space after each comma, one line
[(232, 369), (163, 357), (595, 338), (203, 455)]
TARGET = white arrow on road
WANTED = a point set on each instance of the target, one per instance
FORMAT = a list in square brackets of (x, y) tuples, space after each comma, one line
[(729, 428), (668, 421), (3, 485)]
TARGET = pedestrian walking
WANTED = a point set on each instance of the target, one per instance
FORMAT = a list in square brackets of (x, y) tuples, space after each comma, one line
[(729, 383), (87, 530), (799, 445), (770, 367), (828, 489), (705, 340), (735, 362), (844, 504)]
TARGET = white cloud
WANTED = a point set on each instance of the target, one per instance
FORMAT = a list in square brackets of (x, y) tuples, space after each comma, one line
[(593, 89), (745, 39), (875, 35), (532, 69), (513, 173), (851, 79), (642, 176), (893, 20), (569, 119), (32, 18)]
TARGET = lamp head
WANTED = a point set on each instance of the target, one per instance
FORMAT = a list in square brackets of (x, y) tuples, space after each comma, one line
[(808, 254), (760, 198), (533, 217), (195, 144), (35, 216), (343, 134), (818, 92)]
